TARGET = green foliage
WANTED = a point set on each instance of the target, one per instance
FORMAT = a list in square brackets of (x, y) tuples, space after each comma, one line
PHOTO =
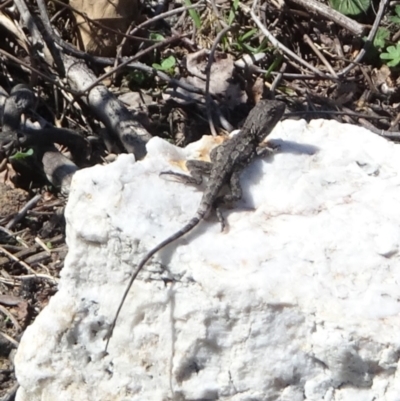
[(194, 15), (350, 7), (232, 11), (166, 65), (396, 18), (156, 36), (243, 42), (392, 54), (380, 38), (274, 66), (21, 156)]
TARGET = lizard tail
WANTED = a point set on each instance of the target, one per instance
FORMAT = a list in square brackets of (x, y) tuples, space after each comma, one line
[(184, 230)]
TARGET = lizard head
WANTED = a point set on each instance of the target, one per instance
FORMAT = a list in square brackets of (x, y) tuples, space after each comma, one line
[(263, 118)]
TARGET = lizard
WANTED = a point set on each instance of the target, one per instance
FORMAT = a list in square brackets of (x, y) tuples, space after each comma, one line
[(227, 162)]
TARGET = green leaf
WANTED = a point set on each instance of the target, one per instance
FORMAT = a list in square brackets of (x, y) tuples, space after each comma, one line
[(168, 63), (156, 36), (247, 35), (263, 46), (241, 41), (351, 7), (248, 48), (380, 38), (395, 19), (194, 15), (393, 54), (232, 11), (22, 155), (274, 66)]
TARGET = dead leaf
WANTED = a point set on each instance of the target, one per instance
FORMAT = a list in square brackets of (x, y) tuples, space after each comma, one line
[(221, 82), (221, 70), (114, 14)]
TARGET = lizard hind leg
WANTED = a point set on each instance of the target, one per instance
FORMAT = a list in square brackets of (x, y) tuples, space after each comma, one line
[(234, 194)]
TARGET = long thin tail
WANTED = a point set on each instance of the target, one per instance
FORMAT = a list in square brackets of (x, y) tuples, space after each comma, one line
[(184, 230)]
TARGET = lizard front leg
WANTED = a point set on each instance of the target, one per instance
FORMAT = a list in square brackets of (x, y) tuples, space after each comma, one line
[(267, 149), (197, 168)]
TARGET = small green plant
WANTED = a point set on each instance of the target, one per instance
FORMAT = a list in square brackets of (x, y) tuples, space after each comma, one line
[(21, 156), (382, 35), (243, 43), (193, 14), (167, 65), (382, 44), (396, 18), (232, 12), (274, 66), (351, 7), (393, 54), (156, 36)]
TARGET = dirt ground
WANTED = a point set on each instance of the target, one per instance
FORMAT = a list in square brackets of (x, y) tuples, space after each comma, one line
[(31, 257)]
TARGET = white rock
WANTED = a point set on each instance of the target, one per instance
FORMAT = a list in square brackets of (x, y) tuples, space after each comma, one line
[(298, 301)]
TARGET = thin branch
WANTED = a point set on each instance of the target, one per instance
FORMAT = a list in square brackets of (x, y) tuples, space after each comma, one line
[(386, 134), (18, 61), (10, 339), (15, 259), (5, 4), (166, 14), (54, 50), (11, 317), (69, 49), (278, 77), (370, 39), (19, 216), (328, 12), (13, 279), (349, 113), (130, 60), (44, 246), (120, 48), (28, 22), (280, 46), (208, 73), (308, 40)]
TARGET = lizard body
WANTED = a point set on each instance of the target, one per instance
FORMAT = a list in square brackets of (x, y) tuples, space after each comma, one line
[(227, 161)]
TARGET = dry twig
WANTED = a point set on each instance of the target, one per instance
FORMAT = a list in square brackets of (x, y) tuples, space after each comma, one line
[(208, 72), (20, 215), (280, 46), (11, 317), (322, 9), (370, 39)]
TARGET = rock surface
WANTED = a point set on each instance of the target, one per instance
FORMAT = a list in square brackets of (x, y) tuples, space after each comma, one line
[(299, 300)]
